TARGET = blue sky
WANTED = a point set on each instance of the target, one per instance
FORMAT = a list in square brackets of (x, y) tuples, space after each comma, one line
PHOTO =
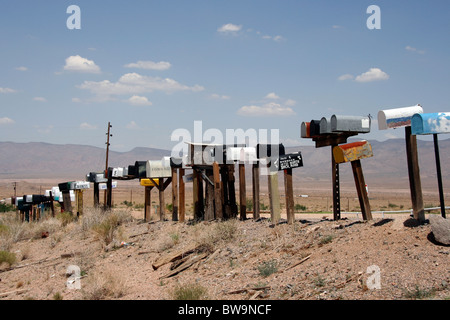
[(151, 67)]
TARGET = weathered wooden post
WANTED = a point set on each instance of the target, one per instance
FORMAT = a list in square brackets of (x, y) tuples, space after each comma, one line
[(286, 163), (160, 169), (148, 185), (182, 195), (217, 191), (271, 154), (435, 124), (332, 132), (353, 153), (397, 118), (255, 191)]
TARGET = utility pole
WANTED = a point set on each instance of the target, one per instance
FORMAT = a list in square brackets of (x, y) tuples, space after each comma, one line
[(107, 156)]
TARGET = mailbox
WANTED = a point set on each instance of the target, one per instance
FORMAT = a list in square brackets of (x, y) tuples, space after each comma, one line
[(352, 151), (305, 130), (354, 124), (325, 126), (141, 169), (80, 185), (159, 168), (430, 123), (289, 161), (244, 154), (265, 150), (314, 128), (149, 183), (396, 118), (117, 172), (132, 171), (65, 186)]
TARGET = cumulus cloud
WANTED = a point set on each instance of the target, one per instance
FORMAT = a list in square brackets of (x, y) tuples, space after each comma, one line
[(374, 74), (268, 109), (7, 90), (219, 97), (80, 64), (139, 101), (149, 65), (346, 77), (229, 28), (87, 126), (272, 95), (6, 120), (412, 49)]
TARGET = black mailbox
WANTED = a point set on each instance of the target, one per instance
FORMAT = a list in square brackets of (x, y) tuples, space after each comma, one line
[(265, 150)]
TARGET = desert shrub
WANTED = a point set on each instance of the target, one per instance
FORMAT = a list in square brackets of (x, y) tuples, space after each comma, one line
[(190, 291), (66, 217), (300, 207), (325, 239), (267, 268), (106, 224), (4, 207), (7, 257), (106, 285)]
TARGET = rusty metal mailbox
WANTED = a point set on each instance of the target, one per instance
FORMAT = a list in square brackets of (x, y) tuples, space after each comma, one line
[(430, 123), (398, 117), (355, 124), (352, 151)]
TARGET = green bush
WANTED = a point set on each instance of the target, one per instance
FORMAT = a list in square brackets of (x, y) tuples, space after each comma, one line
[(190, 291), (4, 207), (8, 257), (267, 268)]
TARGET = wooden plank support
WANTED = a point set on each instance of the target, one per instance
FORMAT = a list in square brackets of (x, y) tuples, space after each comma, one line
[(174, 194), (289, 195), (274, 195), (217, 191), (209, 197), (255, 189), (96, 195), (182, 195), (148, 203), (232, 192), (79, 194), (414, 176), (242, 192), (353, 153)]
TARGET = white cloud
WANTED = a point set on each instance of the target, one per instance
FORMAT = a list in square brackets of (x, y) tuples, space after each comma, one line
[(22, 68), (7, 90), (139, 101), (149, 65), (268, 109), (272, 95), (40, 99), (346, 77), (134, 84), (219, 97), (229, 28), (6, 120), (76, 100), (374, 74), (290, 103), (87, 126), (132, 125), (80, 64), (412, 49)]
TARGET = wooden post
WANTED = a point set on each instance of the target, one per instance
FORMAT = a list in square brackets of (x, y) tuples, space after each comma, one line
[(414, 175), (108, 204), (217, 191), (96, 195), (336, 187), (289, 192), (274, 196), (361, 189), (209, 196), (198, 195), (162, 209), (182, 208), (52, 205), (439, 174), (255, 187), (79, 202), (67, 202), (225, 192), (242, 192), (174, 195), (148, 203), (232, 191)]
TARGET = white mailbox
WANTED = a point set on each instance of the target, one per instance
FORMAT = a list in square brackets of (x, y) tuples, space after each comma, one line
[(430, 123), (397, 118), (80, 185), (355, 124), (159, 168)]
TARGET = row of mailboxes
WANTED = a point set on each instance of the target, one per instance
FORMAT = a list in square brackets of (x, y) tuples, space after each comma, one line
[(73, 185), (336, 124)]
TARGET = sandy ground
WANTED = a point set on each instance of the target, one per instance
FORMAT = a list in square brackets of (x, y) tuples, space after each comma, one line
[(315, 258)]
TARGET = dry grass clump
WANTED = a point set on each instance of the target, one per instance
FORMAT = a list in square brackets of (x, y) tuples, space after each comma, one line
[(189, 291), (105, 224), (213, 234), (107, 284)]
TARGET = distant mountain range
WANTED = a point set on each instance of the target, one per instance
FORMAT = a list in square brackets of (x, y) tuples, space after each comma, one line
[(37, 160)]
